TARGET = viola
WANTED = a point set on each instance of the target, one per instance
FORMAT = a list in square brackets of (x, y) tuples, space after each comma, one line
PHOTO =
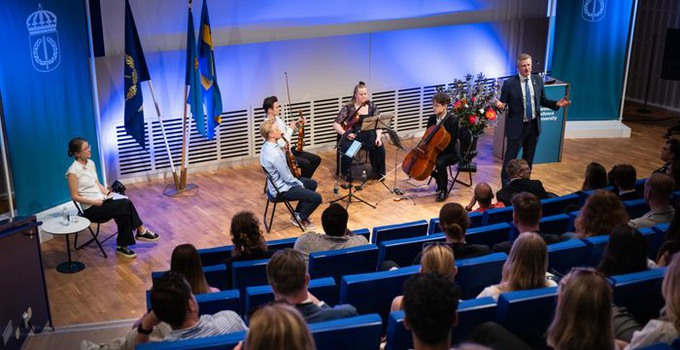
[(349, 123), (420, 161), (301, 132), (291, 161)]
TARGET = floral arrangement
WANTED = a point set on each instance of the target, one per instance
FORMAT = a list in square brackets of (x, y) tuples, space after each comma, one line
[(474, 102)]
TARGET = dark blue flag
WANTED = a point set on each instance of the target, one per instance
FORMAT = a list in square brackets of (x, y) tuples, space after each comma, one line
[(206, 63), (193, 77), (135, 72)]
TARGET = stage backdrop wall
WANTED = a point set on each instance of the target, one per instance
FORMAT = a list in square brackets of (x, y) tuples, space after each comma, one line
[(47, 95), (591, 39)]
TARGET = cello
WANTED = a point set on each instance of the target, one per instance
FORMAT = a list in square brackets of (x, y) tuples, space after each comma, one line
[(420, 161)]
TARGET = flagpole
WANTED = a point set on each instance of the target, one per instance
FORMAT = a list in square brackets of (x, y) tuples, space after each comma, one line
[(183, 175), (165, 136)]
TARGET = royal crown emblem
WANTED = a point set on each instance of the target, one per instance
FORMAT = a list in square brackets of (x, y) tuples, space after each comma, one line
[(593, 10), (43, 39)]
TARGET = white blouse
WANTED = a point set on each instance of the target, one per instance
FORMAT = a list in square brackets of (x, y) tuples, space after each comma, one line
[(87, 180)]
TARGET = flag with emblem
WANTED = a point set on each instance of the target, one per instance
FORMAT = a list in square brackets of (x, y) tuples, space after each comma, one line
[(134, 73), (206, 63), (193, 77)]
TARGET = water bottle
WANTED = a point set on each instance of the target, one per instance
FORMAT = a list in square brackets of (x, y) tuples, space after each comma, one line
[(64, 216), (335, 189), (363, 176)]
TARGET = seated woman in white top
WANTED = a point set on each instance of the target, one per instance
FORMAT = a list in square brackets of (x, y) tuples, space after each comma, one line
[(667, 328), (96, 202), (525, 268)]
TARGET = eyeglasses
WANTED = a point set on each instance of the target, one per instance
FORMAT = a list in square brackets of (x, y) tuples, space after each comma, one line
[(85, 149)]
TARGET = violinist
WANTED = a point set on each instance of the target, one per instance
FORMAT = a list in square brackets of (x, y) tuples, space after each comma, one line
[(348, 126), (449, 155), (308, 162)]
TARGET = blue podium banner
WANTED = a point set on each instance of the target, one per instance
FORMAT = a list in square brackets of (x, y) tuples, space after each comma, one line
[(549, 147), (47, 95)]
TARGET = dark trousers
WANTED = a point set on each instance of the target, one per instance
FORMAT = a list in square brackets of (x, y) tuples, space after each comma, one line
[(308, 199), (308, 162), (375, 154), (527, 142), (123, 212), (497, 337), (441, 171)]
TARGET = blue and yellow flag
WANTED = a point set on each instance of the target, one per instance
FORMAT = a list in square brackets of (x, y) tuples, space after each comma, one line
[(134, 73), (193, 77), (206, 63)]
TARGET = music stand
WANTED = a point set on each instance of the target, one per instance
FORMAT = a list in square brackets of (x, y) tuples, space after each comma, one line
[(396, 141), (350, 196)]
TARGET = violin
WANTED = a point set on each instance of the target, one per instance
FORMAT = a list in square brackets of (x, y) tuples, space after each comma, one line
[(291, 161), (349, 123), (420, 161)]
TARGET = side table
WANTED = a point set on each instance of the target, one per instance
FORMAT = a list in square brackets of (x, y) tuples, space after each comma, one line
[(55, 227)]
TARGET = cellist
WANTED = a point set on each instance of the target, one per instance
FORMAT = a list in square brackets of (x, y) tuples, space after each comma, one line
[(308, 162), (348, 126), (449, 155)]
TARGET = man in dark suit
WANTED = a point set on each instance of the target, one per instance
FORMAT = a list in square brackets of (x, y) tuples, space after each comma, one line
[(520, 181), (523, 95), (449, 155)]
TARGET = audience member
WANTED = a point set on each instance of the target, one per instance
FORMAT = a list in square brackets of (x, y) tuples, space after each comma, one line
[(337, 236), (667, 328), (484, 197), (658, 189), (525, 268), (623, 177), (436, 258), (526, 217), (519, 172), (287, 274), (249, 244), (277, 326), (674, 172), (430, 304), (173, 303), (671, 241), (186, 261), (669, 152), (626, 252), (595, 177), (602, 212), (583, 317)]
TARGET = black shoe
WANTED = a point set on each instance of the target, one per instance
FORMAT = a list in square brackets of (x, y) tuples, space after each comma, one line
[(441, 196), (147, 236), (125, 252)]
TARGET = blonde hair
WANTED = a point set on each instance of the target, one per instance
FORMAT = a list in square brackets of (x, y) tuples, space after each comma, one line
[(583, 317), (438, 258), (278, 326), (670, 288), (526, 265), (266, 127), (523, 56)]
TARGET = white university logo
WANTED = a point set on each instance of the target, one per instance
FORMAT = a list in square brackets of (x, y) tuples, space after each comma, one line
[(593, 10), (43, 39)]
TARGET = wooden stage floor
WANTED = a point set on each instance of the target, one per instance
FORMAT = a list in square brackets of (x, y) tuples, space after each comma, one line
[(113, 288)]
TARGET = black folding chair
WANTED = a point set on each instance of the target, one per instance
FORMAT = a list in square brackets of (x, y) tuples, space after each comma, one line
[(278, 199), (95, 235), (467, 142)]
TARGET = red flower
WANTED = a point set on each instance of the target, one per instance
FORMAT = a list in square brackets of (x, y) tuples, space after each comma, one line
[(490, 114), (474, 98), (459, 104), (473, 119)]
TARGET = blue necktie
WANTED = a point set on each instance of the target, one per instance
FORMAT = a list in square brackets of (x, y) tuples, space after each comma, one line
[(527, 93)]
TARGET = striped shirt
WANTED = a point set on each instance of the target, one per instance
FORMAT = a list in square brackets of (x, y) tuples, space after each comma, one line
[(220, 323)]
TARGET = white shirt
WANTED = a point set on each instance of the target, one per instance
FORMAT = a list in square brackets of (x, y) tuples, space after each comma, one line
[(524, 94), (494, 291), (285, 130), (87, 180)]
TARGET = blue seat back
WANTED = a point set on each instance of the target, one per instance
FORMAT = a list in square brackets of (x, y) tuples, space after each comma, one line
[(215, 275), (554, 206), (475, 274), (659, 346), (336, 263), (323, 289), (494, 216), (596, 245), (249, 273), (398, 337), (476, 220), (210, 303), (489, 234), (280, 244), (527, 312), (555, 224), (675, 195), (359, 332), (363, 232), (563, 256), (654, 238), (636, 207), (218, 342), (405, 230), (404, 251), (373, 292), (215, 255), (640, 187), (640, 293)]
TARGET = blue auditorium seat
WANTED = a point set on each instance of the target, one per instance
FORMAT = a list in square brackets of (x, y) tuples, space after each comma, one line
[(249, 273), (218, 342), (215, 255), (373, 292), (636, 207), (596, 245), (475, 274), (675, 195), (471, 313), (356, 333), (658, 346), (563, 256), (210, 303), (323, 289), (404, 251), (398, 231), (280, 244), (215, 275), (489, 234), (640, 292), (336, 263), (554, 206), (640, 187), (363, 232), (476, 220), (494, 216), (527, 313), (655, 239), (555, 224)]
